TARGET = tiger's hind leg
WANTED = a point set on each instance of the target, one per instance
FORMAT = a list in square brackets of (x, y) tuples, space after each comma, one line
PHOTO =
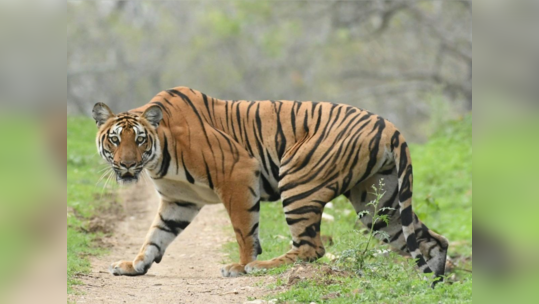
[(303, 216), (433, 246), (362, 194)]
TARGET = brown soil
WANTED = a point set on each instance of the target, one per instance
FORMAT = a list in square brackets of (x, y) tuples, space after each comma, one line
[(189, 271)]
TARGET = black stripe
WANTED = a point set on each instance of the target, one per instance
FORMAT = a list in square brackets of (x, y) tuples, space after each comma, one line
[(406, 216), (222, 154), (262, 155), (396, 236), (303, 242), (305, 122), (390, 204), (395, 140), (176, 156), (280, 139), (430, 249), (188, 175), (293, 119), (274, 168), (249, 109), (255, 208), (374, 147), (307, 158), (258, 121), (174, 226), (403, 161), (186, 205), (205, 98), (166, 160), (238, 119), (155, 245), (421, 262), (232, 121), (233, 149), (318, 121), (386, 172), (258, 247), (246, 140), (290, 221), (195, 110), (159, 256), (168, 102), (378, 225), (164, 229), (405, 191), (306, 194), (253, 192), (226, 115), (322, 203), (309, 231), (210, 182), (305, 209), (253, 230), (313, 108), (411, 242), (268, 189)]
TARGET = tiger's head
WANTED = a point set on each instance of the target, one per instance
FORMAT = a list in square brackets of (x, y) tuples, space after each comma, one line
[(127, 141)]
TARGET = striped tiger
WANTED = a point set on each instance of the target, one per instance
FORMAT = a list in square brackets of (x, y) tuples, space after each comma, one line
[(200, 150)]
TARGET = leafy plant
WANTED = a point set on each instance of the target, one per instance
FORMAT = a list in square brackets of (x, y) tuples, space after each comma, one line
[(361, 255)]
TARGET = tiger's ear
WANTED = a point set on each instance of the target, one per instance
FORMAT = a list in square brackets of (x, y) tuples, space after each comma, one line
[(153, 115), (101, 113)]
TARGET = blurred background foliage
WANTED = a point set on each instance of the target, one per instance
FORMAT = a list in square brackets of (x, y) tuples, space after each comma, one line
[(408, 60)]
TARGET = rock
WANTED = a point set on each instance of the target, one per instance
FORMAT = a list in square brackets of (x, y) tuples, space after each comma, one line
[(328, 217), (330, 256), (272, 301)]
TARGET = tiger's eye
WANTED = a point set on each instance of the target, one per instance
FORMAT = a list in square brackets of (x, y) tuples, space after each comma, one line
[(140, 140), (114, 140)]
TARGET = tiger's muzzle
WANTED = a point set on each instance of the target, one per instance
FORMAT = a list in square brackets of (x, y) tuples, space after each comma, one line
[(127, 172)]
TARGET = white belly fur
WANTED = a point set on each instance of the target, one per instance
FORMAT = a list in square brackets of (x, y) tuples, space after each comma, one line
[(184, 191)]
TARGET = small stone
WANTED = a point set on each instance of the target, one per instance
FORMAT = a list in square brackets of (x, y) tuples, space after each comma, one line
[(256, 302), (328, 217)]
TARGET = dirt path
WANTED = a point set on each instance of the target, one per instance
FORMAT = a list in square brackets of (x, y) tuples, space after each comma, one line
[(189, 271)]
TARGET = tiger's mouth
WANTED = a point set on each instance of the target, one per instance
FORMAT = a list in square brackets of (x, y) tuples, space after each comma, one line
[(127, 178)]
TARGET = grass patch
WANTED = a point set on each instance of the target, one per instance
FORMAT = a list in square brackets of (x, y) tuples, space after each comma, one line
[(442, 198), (85, 198)]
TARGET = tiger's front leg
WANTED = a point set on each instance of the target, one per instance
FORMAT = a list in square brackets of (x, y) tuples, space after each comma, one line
[(243, 205), (172, 218)]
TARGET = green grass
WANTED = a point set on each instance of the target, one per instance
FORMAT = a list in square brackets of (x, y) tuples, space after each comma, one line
[(28, 188), (442, 199), (85, 197)]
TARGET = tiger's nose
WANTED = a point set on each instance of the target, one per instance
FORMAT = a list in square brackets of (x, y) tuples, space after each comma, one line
[(127, 164)]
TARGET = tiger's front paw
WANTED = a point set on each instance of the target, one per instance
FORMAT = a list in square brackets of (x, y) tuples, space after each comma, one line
[(256, 266), (233, 270), (125, 268)]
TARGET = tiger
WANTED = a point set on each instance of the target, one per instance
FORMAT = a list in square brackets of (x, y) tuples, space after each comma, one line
[(199, 150)]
